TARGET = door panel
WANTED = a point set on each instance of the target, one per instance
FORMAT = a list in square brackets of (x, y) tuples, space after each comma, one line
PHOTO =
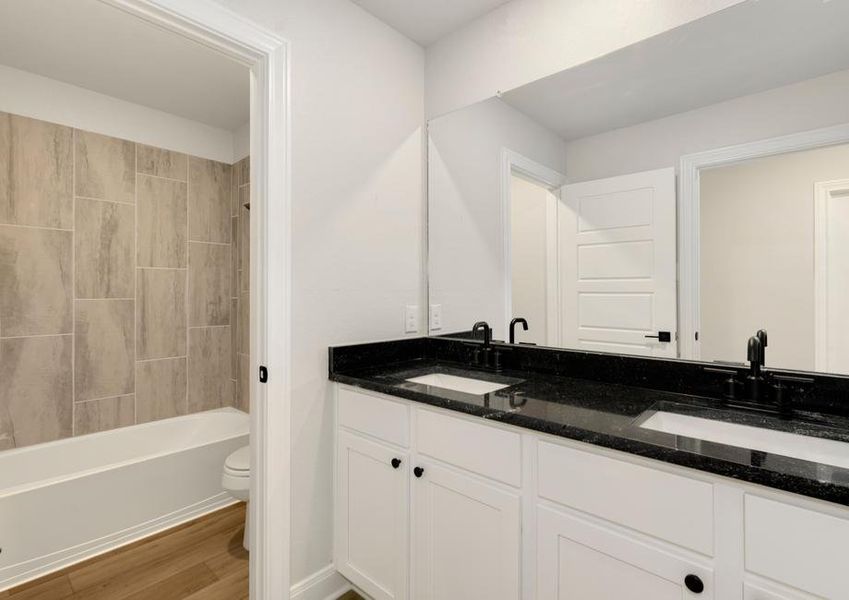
[(579, 560), (372, 517), (466, 538), (617, 268)]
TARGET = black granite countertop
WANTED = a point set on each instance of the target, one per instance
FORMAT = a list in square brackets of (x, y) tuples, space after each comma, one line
[(610, 414)]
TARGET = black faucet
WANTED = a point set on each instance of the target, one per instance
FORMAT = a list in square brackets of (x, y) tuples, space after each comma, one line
[(755, 380), (513, 324), (487, 356), (761, 335), (487, 332)]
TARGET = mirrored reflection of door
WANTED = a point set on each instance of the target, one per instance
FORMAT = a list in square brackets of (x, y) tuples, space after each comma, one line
[(617, 264), (533, 260)]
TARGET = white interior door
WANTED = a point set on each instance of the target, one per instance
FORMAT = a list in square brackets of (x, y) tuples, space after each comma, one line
[(617, 264), (831, 239)]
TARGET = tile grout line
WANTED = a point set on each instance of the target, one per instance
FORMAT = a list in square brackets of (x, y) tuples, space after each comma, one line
[(186, 181), (135, 281), (22, 226), (74, 283), (90, 199), (186, 299), (103, 398)]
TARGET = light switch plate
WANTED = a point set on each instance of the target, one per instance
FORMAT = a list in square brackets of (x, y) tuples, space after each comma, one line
[(435, 317), (411, 319)]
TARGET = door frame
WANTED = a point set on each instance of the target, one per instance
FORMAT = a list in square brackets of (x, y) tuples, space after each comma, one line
[(822, 192), (267, 56), (515, 163), (689, 218)]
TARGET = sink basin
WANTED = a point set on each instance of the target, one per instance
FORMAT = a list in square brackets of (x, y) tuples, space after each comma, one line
[(459, 384), (829, 452)]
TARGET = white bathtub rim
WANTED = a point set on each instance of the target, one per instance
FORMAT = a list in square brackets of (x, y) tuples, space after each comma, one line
[(26, 487), (70, 556)]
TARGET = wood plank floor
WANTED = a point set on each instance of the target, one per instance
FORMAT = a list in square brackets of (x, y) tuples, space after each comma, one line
[(199, 560)]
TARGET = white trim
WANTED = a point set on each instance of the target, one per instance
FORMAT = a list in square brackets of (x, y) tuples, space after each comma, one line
[(267, 55), (324, 584), (823, 191), (513, 162), (689, 214)]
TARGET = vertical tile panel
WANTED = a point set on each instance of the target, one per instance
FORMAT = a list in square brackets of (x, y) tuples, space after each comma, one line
[(234, 336), (160, 389), (160, 162), (103, 414), (36, 159), (160, 313), (36, 393), (104, 354), (36, 274), (103, 249), (244, 323), (244, 382), (210, 385), (209, 284), (209, 201), (162, 230), (245, 243), (104, 167)]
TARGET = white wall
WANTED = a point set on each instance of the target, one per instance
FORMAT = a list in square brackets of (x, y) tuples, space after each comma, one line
[(528, 253), (357, 116), (31, 95), (525, 40), (467, 271), (757, 254), (811, 104)]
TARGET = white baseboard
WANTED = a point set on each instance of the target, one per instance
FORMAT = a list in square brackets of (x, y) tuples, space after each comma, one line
[(324, 584)]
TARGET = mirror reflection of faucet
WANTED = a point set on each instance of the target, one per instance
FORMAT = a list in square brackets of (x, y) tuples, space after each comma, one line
[(513, 324)]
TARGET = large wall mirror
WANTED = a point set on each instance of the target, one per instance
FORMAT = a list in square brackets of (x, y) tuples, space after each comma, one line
[(669, 199)]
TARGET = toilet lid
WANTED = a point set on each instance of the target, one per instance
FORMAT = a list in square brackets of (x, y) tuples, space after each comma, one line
[(240, 460)]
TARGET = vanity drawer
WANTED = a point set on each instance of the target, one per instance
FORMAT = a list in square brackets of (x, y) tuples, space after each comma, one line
[(665, 505), (481, 449), (797, 546), (380, 417)]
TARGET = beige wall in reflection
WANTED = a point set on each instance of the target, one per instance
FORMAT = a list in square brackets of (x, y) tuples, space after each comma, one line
[(757, 254)]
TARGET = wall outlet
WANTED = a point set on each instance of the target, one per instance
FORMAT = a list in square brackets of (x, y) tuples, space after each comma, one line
[(411, 319), (435, 317)]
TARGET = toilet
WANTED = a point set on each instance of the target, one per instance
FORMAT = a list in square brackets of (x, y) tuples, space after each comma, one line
[(236, 479)]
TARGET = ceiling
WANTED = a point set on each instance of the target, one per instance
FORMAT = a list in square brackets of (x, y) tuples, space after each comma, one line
[(744, 49), (425, 21), (98, 47)]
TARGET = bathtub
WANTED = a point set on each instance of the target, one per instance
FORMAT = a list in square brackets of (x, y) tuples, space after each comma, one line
[(65, 501)]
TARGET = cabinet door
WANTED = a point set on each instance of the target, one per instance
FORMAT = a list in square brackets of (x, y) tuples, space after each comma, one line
[(465, 537), (579, 560), (372, 516), (756, 592)]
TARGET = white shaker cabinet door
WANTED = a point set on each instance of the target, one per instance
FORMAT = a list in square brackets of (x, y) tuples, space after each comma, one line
[(465, 537), (578, 560), (372, 516)]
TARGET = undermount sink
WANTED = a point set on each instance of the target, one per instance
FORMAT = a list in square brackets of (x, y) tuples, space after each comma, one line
[(829, 452), (459, 384)]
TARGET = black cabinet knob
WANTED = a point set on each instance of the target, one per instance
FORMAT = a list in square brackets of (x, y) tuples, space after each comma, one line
[(694, 583), (396, 462), (418, 471)]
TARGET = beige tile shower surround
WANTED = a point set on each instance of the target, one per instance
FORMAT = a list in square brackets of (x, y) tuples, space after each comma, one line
[(123, 282)]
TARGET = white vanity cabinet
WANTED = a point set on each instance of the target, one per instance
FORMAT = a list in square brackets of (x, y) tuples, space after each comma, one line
[(436, 505), (465, 536)]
